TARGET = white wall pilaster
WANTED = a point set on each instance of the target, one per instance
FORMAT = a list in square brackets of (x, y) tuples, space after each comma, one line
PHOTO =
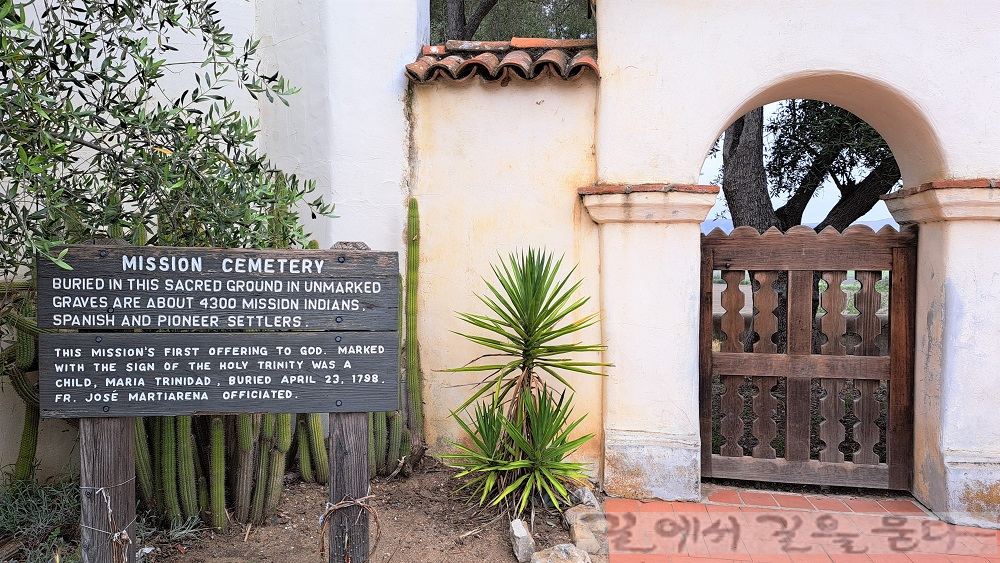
[(956, 434), (650, 258)]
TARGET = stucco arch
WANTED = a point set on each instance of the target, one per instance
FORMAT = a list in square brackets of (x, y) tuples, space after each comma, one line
[(904, 126)]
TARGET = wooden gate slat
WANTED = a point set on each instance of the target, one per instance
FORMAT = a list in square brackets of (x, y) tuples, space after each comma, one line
[(764, 406), (867, 300), (807, 367), (833, 324), (810, 471), (902, 341), (732, 424), (732, 303), (765, 300), (866, 432), (831, 430), (800, 322), (705, 363)]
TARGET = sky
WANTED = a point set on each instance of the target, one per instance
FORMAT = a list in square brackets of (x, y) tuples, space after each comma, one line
[(817, 209)]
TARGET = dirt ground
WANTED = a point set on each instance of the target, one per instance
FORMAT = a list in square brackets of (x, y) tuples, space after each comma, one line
[(421, 521)]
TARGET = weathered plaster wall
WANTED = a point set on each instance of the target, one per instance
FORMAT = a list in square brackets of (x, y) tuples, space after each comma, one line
[(348, 128), (956, 452), (496, 169), (57, 441)]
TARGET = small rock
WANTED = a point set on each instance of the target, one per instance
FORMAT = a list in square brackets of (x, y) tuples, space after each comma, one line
[(521, 540), (593, 518), (584, 495), (562, 553), (584, 538)]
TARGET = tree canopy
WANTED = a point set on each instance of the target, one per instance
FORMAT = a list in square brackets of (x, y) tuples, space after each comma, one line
[(811, 142), (499, 20), (95, 143)]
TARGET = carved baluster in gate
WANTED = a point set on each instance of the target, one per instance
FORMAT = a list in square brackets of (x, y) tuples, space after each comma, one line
[(732, 328), (766, 325), (834, 326), (867, 300)]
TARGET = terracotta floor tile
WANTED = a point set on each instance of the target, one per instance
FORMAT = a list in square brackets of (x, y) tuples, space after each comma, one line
[(621, 505), (868, 524), (655, 506), (889, 558), (866, 506), (968, 559), (793, 501), (771, 558), (809, 558), (688, 507), (725, 549), (757, 499), (902, 507), (928, 558), (638, 558), (763, 546), (828, 504), (981, 535), (725, 496), (849, 558)]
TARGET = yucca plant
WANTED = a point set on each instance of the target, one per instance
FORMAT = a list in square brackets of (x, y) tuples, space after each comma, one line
[(519, 431), (505, 466)]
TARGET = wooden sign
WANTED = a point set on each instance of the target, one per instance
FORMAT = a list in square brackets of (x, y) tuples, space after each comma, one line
[(152, 287), (122, 374)]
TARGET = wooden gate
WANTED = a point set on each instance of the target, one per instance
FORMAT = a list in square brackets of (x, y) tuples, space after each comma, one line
[(808, 375)]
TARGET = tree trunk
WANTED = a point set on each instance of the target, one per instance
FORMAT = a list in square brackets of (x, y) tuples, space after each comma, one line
[(744, 182), (863, 196), (460, 27), (455, 19)]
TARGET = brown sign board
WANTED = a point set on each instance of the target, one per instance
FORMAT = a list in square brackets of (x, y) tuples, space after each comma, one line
[(128, 374), (164, 288)]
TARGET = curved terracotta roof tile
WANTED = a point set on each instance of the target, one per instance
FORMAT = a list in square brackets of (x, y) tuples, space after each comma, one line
[(583, 60), (521, 58), (517, 63)]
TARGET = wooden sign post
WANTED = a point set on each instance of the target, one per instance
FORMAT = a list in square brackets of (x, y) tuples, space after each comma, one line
[(337, 352)]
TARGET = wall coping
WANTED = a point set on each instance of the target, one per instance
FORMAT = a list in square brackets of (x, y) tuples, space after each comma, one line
[(637, 188), (976, 199), (648, 203)]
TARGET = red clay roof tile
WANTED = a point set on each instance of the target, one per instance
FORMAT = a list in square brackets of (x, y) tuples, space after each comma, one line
[(523, 58)]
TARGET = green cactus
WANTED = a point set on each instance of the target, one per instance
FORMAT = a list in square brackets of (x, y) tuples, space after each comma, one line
[(168, 467), (247, 431), (371, 444), (217, 474), (115, 229), (395, 440), (317, 448), (155, 452), (381, 436), (143, 465), (257, 513), (282, 443), (185, 468), (305, 463), (139, 233), (25, 467), (413, 383)]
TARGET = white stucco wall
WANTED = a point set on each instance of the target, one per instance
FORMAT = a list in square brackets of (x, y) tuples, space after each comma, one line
[(496, 169), (348, 128), (57, 452), (918, 73)]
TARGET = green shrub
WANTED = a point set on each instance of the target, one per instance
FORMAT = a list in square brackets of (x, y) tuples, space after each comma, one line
[(519, 431)]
